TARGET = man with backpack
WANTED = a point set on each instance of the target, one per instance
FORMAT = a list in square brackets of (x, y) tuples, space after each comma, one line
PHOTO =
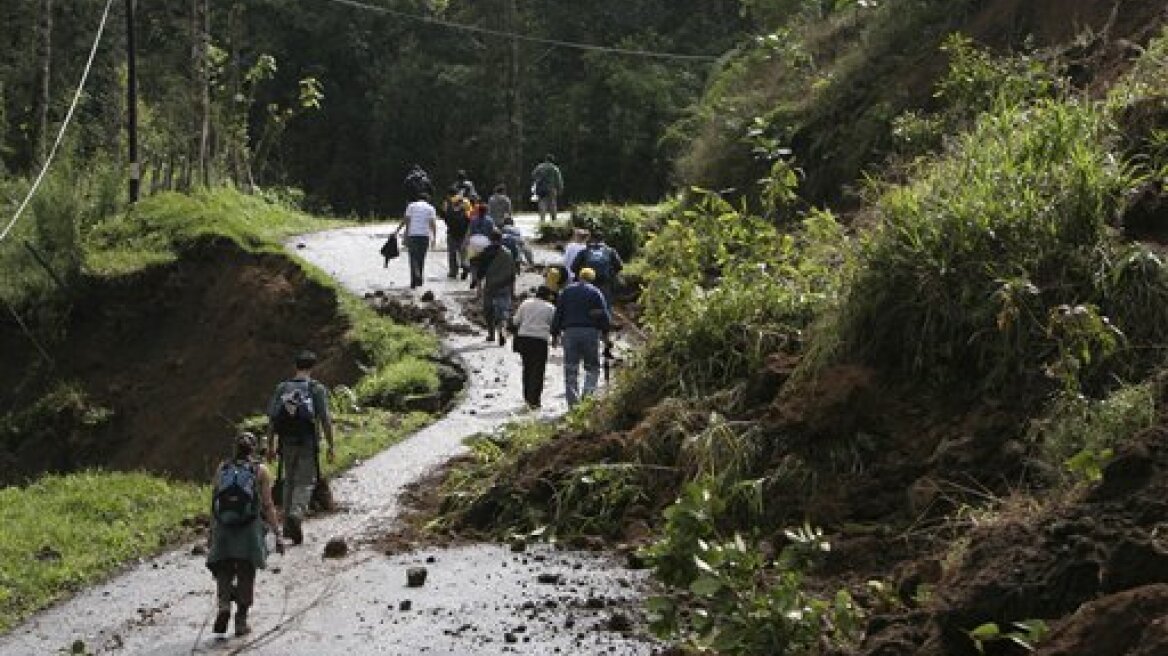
[(298, 415), (547, 184), (456, 213), (581, 317), (242, 497), (603, 260), (496, 274), (418, 182)]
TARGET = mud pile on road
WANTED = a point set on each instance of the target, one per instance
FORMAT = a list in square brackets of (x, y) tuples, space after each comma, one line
[(162, 364)]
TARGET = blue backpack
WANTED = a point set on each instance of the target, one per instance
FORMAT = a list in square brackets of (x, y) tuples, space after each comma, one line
[(236, 500), (600, 261)]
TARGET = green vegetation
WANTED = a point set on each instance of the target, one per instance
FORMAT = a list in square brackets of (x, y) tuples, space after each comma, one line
[(735, 600), (63, 532)]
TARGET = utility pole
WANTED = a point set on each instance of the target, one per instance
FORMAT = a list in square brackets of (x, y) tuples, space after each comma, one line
[(132, 104)]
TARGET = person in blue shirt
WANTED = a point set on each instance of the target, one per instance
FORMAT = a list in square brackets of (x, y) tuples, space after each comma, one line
[(582, 315)]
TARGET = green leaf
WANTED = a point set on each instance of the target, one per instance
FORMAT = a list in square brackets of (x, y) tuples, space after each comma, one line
[(705, 586)]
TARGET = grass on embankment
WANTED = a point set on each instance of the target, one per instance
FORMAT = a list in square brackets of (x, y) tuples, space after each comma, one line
[(67, 531)]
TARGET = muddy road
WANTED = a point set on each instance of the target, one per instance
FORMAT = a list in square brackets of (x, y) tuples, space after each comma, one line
[(479, 599)]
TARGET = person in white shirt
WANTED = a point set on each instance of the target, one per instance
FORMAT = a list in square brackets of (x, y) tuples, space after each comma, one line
[(421, 224), (533, 326), (573, 248)]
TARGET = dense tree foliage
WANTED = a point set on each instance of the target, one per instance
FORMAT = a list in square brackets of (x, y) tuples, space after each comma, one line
[(338, 99)]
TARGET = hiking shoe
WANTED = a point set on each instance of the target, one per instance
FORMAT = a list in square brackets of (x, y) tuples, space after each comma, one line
[(502, 338), (491, 336), (221, 620), (241, 627), (292, 530)]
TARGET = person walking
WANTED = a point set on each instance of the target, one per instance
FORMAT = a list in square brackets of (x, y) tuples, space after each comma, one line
[(499, 206), (466, 186), (573, 248), (581, 315), (533, 329), (241, 504), (496, 274), (417, 182), (421, 226), (456, 213), (547, 184), (298, 415), (604, 261)]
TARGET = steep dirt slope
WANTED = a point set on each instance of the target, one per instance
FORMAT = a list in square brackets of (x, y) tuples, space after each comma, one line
[(176, 354)]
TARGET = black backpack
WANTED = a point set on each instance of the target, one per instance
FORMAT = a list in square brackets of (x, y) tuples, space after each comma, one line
[(236, 500), (296, 414), (455, 217)]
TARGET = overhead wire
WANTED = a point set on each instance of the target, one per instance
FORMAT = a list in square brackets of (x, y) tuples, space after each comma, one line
[(64, 124), (477, 29)]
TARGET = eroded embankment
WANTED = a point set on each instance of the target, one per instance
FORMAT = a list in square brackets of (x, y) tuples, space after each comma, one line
[(165, 362)]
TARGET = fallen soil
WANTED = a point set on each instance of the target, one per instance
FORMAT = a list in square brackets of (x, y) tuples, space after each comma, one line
[(172, 357)]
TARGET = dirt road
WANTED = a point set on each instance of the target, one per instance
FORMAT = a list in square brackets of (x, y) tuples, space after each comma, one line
[(480, 599)]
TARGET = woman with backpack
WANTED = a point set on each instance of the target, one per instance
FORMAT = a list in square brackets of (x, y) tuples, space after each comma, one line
[(241, 504)]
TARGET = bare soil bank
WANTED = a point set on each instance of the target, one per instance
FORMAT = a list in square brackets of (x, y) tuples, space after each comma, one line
[(169, 359)]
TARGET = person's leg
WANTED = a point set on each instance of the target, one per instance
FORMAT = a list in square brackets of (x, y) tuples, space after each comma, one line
[(571, 365), (224, 572), (489, 315), (552, 204), (590, 356), (541, 207), (539, 355), (245, 595), (502, 307), (523, 347), (452, 259), (412, 250), (299, 477)]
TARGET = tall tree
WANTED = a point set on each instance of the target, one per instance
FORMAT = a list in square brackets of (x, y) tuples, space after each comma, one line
[(45, 71)]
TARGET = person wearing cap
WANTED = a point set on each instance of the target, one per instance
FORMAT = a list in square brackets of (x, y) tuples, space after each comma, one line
[(533, 329), (237, 551), (581, 315), (296, 439), (604, 261)]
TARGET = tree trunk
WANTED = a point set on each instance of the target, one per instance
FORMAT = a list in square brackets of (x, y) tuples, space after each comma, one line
[(205, 94), (41, 147), (515, 91)]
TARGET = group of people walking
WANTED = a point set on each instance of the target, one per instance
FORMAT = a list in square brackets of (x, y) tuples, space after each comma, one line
[(243, 502)]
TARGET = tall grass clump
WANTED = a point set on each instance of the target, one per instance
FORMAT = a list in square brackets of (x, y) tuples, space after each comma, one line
[(963, 278)]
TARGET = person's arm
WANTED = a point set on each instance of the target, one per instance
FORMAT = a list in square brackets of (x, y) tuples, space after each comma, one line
[(559, 179), (578, 262), (433, 229), (267, 504), (557, 324), (271, 438), (325, 418)]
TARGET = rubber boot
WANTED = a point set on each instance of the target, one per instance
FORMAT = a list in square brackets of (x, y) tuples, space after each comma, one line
[(221, 618), (241, 626)]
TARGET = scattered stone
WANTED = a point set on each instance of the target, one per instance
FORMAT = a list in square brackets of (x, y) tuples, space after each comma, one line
[(619, 622), (428, 296), (416, 577), (549, 578), (594, 603), (46, 554), (199, 550), (634, 560), (78, 647), (405, 605), (336, 548), (431, 560), (518, 545), (301, 245), (510, 638)]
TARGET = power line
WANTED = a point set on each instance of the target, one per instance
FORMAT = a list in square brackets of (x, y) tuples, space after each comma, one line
[(64, 124), (431, 20)]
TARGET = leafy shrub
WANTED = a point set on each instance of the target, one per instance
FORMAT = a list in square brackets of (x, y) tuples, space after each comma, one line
[(621, 226), (722, 290), (728, 597)]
